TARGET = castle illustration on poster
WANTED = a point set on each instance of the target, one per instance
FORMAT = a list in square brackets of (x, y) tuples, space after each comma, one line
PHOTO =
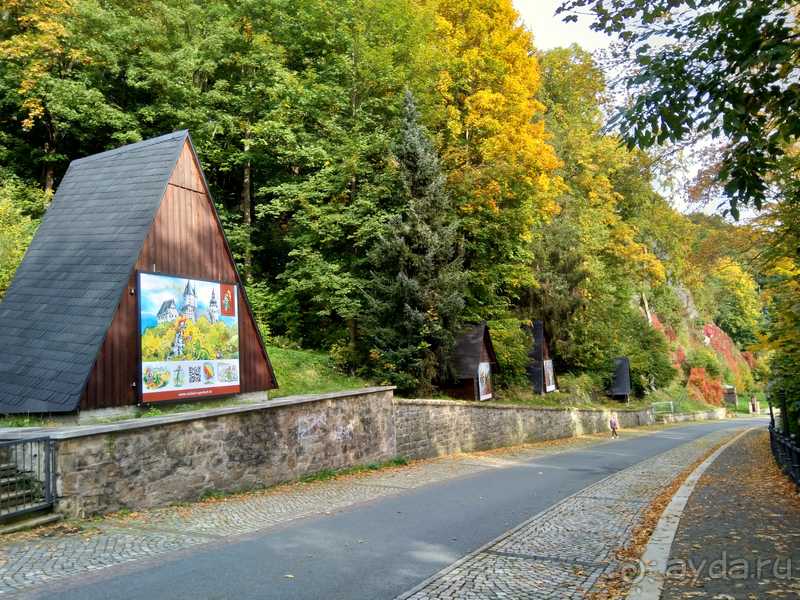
[(189, 338)]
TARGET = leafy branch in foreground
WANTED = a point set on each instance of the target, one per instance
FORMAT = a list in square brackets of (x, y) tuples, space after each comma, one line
[(730, 68)]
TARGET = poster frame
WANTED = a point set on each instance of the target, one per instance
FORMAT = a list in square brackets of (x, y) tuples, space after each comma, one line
[(487, 367), (549, 376), (138, 381)]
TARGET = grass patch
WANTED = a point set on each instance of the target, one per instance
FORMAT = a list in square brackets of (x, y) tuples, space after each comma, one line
[(301, 372), (105, 420), (560, 400), (744, 403), (692, 405), (16, 421), (329, 474), (181, 408), (212, 495), (526, 397)]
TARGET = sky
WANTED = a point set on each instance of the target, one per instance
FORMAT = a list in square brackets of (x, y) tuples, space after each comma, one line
[(550, 32)]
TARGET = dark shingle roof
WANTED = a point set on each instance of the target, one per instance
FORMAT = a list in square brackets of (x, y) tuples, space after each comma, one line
[(466, 354), (56, 312)]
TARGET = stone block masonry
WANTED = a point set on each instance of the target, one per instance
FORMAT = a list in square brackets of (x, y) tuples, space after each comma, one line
[(156, 461), (715, 414), (434, 428)]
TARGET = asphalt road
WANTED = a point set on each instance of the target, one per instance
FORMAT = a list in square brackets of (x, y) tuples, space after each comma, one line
[(376, 551)]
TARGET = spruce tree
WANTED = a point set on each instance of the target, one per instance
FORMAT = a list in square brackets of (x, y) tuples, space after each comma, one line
[(416, 288)]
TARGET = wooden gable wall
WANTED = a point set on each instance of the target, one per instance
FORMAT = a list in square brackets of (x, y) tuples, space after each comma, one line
[(186, 239)]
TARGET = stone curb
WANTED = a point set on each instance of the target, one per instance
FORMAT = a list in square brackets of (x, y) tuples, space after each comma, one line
[(656, 553)]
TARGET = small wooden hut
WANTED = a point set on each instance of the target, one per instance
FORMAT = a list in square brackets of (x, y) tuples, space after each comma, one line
[(620, 386), (540, 372), (75, 317), (474, 363)]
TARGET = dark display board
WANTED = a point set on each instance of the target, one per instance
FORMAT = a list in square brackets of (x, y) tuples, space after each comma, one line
[(620, 377)]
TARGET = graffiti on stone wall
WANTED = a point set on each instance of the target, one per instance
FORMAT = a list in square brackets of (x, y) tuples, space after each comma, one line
[(343, 434), (312, 426)]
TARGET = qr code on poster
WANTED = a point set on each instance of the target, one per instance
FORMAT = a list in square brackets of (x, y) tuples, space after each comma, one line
[(194, 374)]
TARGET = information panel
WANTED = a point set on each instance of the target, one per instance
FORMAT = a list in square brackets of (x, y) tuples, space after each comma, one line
[(549, 377), (485, 380), (189, 332)]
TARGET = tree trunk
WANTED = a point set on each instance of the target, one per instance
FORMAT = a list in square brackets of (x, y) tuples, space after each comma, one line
[(351, 333), (352, 329), (247, 220), (647, 309), (49, 168)]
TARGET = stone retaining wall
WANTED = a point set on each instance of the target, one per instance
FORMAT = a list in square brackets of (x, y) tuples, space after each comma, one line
[(715, 414), (433, 428), (150, 462), (145, 463)]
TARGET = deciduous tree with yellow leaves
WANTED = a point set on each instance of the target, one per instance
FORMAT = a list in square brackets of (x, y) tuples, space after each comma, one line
[(497, 153)]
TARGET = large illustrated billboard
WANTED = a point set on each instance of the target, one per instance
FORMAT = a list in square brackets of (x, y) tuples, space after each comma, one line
[(189, 338)]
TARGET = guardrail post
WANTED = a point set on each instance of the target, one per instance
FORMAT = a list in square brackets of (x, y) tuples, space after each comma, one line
[(771, 429), (53, 473), (795, 464), (780, 454), (784, 413), (771, 415)]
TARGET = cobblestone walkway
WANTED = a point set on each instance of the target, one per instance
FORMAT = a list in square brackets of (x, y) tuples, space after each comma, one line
[(564, 551), (584, 527)]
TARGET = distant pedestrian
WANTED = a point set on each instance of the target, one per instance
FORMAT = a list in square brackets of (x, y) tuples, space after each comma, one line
[(613, 423)]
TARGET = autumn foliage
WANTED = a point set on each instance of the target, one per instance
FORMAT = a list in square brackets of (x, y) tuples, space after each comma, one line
[(296, 111), (709, 389)]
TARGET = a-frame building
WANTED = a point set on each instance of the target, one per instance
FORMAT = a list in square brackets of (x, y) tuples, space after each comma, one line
[(69, 320), (474, 362)]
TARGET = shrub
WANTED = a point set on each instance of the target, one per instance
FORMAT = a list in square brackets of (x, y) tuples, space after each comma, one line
[(709, 388), (586, 386), (700, 358)]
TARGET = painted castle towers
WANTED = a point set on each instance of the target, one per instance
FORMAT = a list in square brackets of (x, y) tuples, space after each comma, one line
[(213, 309), (169, 311)]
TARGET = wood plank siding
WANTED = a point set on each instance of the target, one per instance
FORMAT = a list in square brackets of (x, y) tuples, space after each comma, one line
[(186, 239)]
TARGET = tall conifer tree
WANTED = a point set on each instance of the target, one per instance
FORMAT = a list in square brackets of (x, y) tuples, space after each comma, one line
[(417, 285)]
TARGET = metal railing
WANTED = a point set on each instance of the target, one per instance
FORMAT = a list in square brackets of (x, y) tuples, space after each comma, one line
[(27, 476), (784, 444), (674, 405), (786, 453)]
